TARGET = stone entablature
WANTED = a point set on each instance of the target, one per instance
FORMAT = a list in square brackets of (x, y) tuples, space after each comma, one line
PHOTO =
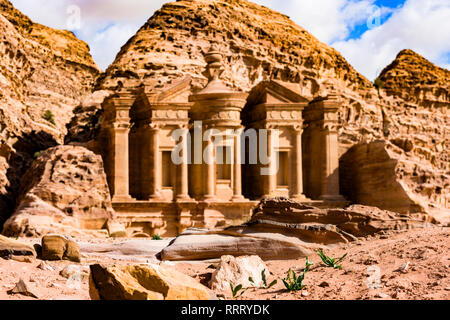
[(152, 192)]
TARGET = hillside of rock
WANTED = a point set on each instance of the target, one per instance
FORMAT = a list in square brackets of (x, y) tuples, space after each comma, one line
[(44, 74), (259, 43), (415, 79)]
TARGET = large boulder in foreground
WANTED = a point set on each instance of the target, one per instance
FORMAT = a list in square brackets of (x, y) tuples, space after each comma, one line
[(144, 282), (64, 191), (197, 244)]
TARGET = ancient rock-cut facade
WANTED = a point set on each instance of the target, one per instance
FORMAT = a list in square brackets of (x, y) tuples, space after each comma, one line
[(176, 158)]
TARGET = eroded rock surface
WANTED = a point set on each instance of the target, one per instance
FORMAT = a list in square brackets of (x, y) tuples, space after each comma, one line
[(283, 229), (383, 175), (261, 44), (65, 190), (324, 226), (413, 78), (44, 74)]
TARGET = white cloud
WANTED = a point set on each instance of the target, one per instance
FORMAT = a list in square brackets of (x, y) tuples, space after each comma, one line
[(106, 25), (421, 25), (328, 20)]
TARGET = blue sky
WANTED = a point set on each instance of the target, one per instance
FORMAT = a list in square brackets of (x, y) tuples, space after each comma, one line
[(368, 33)]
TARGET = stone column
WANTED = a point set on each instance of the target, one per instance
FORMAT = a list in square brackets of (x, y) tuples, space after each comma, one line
[(155, 192), (271, 178), (330, 166), (237, 163), (297, 166), (182, 176), (121, 185), (210, 172)]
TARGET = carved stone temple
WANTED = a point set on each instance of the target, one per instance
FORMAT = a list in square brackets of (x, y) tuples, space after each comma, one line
[(216, 179)]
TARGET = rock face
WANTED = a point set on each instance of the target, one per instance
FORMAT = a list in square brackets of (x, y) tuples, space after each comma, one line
[(144, 282), (64, 190), (406, 185), (260, 44), (414, 79), (415, 97), (44, 74), (237, 271)]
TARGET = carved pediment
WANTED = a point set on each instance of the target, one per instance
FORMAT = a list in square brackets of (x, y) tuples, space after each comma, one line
[(175, 93), (276, 92)]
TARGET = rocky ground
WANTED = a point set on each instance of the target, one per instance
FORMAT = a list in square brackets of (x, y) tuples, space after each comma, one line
[(399, 265)]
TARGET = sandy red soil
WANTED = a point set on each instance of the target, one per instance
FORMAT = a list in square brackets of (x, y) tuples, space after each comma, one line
[(372, 270)]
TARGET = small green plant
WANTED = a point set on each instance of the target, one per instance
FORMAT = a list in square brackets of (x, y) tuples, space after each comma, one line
[(156, 237), (38, 154), (379, 84), (331, 262), (237, 291), (292, 282), (264, 279), (48, 116)]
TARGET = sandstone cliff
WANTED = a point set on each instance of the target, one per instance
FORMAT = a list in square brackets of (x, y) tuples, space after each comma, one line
[(259, 43), (414, 79), (65, 191), (44, 74)]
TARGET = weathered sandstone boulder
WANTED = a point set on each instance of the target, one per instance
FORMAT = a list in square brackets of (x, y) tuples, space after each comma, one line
[(195, 244), (57, 247), (323, 226), (13, 247), (240, 270), (64, 190), (45, 74), (281, 229), (137, 250), (116, 229), (144, 282)]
